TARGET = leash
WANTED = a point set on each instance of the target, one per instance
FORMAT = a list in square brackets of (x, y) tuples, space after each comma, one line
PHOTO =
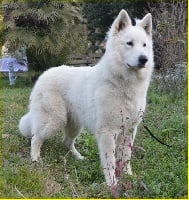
[(153, 136)]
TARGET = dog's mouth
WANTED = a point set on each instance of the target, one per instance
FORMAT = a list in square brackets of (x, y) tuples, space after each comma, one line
[(139, 66)]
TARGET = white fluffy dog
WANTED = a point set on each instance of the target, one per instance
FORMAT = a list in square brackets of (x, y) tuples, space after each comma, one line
[(107, 99)]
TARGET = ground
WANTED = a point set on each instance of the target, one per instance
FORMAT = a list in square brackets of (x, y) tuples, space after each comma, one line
[(158, 171)]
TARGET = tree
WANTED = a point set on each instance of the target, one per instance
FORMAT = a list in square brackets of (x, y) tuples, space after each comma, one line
[(45, 28), (169, 22)]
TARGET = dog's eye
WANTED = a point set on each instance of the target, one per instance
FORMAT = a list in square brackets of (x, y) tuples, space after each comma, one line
[(144, 45), (130, 43)]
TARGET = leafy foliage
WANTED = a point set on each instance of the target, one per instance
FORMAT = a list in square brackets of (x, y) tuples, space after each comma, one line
[(169, 19), (45, 28), (170, 45)]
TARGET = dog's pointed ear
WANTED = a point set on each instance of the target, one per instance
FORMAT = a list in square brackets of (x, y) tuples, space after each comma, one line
[(122, 21), (146, 23)]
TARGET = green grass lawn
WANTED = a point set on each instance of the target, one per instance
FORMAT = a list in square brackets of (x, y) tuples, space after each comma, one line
[(158, 171)]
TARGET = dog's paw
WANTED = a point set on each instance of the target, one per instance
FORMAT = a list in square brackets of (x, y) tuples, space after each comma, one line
[(36, 159), (78, 156), (37, 163)]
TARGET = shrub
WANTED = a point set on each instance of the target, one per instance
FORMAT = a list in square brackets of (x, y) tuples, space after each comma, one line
[(169, 20)]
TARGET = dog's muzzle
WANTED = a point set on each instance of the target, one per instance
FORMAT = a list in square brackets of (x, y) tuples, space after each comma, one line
[(141, 63)]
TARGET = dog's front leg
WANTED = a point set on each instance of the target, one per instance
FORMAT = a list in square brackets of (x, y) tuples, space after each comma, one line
[(106, 144), (124, 151), (125, 148)]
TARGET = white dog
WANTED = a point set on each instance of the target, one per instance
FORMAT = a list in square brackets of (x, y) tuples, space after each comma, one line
[(108, 99)]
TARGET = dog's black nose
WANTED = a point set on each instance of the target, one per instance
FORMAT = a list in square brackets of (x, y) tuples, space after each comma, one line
[(142, 60)]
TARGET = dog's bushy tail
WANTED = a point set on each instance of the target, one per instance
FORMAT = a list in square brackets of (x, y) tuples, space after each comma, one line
[(24, 125)]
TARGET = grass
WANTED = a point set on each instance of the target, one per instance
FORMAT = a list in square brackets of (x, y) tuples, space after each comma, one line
[(159, 172)]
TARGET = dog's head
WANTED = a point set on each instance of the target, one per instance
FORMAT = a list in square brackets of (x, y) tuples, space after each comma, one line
[(132, 44)]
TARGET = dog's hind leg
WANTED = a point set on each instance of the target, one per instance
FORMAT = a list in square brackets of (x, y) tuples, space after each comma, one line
[(36, 143), (44, 126), (72, 130)]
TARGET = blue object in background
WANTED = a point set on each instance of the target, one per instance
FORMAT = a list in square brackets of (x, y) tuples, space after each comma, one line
[(12, 66)]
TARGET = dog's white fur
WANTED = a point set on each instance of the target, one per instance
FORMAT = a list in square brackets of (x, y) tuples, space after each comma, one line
[(108, 99)]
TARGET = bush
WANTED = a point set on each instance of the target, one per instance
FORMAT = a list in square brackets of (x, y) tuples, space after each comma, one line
[(169, 20)]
